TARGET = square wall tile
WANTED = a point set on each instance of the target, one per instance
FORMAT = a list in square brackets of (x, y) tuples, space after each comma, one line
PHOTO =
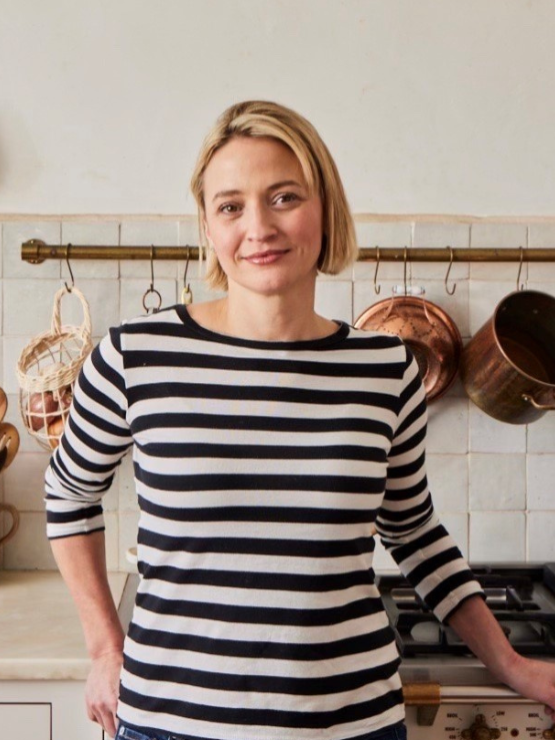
[(497, 482), (128, 530), (498, 236), (541, 477), (541, 542), (24, 481), (448, 481), (14, 234), (489, 435), (334, 300), (441, 235), (111, 540), (103, 299), (497, 537), (30, 548), (132, 293), (483, 300), (188, 232), (542, 236), (448, 426), (189, 235), (110, 499), (28, 306), (128, 500), (541, 434), (96, 234), (159, 233), (383, 562), (201, 291), (11, 351), (382, 234), (364, 295), (457, 526)]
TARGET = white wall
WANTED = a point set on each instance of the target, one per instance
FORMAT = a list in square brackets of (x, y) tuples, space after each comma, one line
[(430, 107), (435, 106)]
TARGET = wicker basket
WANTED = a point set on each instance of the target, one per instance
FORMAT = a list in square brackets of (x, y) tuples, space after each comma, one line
[(47, 369)]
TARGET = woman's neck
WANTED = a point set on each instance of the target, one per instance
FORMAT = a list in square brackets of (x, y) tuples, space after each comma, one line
[(270, 319)]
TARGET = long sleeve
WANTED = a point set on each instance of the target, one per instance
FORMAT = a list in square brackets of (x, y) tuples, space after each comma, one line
[(407, 523), (95, 439)]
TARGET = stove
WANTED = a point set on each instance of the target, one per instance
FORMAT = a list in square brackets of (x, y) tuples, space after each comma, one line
[(449, 693)]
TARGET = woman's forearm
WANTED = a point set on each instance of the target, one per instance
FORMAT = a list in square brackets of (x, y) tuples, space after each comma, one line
[(478, 628), (476, 625), (82, 563)]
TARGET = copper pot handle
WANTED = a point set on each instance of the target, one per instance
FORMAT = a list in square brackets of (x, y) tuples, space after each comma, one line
[(539, 406)]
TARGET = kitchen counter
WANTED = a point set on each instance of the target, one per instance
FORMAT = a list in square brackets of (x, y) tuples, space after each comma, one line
[(40, 632)]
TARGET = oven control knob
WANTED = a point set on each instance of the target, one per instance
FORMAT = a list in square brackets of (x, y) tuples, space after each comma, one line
[(549, 734), (479, 730)]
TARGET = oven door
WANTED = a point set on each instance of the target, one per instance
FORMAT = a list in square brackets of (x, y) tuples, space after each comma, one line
[(436, 712)]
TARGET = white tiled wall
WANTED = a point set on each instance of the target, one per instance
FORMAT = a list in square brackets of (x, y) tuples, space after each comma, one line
[(493, 483)]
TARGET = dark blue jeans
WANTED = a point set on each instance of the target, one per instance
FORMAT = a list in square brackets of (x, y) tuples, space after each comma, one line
[(397, 732)]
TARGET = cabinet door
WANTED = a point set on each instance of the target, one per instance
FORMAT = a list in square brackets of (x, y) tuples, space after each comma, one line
[(26, 721)]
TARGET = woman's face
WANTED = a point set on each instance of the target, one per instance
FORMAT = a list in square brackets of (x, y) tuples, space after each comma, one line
[(261, 220)]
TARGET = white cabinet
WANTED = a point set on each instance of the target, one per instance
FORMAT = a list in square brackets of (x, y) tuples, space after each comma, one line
[(45, 710), (26, 721)]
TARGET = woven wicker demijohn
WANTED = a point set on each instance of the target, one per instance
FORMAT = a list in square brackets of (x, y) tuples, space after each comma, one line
[(47, 369)]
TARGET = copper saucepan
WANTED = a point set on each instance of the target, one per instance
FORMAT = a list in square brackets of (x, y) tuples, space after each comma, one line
[(508, 367), (429, 332)]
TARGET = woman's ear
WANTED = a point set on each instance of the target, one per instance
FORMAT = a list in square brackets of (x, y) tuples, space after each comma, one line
[(207, 234)]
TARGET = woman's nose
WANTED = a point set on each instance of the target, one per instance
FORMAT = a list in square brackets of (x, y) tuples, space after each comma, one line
[(260, 226)]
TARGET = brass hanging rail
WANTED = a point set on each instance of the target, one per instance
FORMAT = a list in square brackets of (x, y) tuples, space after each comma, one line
[(36, 251)]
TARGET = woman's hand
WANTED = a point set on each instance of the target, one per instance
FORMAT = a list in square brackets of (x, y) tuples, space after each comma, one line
[(102, 690), (534, 679)]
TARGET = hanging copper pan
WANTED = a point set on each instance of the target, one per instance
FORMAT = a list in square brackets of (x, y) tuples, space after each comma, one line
[(427, 330), (508, 367)]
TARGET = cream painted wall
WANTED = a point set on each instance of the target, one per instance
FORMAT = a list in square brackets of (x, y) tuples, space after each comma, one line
[(436, 106)]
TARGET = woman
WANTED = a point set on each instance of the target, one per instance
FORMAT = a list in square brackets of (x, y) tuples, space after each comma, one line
[(268, 443)]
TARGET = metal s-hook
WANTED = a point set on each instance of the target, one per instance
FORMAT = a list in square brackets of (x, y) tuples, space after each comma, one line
[(450, 292), (377, 288), (151, 288), (70, 271), (520, 287), (186, 293)]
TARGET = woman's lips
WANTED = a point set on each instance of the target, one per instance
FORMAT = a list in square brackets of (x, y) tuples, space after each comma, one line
[(266, 258)]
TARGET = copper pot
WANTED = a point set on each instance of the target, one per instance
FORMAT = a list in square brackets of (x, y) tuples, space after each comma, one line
[(508, 367), (429, 332)]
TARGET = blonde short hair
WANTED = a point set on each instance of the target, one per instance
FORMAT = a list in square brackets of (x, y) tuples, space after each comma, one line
[(260, 118)]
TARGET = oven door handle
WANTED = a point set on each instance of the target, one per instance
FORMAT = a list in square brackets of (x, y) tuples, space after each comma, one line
[(433, 694), (427, 697), (482, 695)]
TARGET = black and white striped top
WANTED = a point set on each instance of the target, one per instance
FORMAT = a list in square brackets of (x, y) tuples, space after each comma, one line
[(262, 471)]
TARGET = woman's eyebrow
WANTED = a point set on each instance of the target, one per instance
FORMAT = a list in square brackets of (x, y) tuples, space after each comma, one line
[(225, 194), (284, 184), (275, 186)]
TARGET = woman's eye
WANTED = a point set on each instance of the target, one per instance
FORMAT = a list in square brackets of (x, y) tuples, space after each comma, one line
[(228, 208), (286, 198)]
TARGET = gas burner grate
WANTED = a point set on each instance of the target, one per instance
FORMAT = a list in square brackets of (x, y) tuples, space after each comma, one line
[(521, 598)]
